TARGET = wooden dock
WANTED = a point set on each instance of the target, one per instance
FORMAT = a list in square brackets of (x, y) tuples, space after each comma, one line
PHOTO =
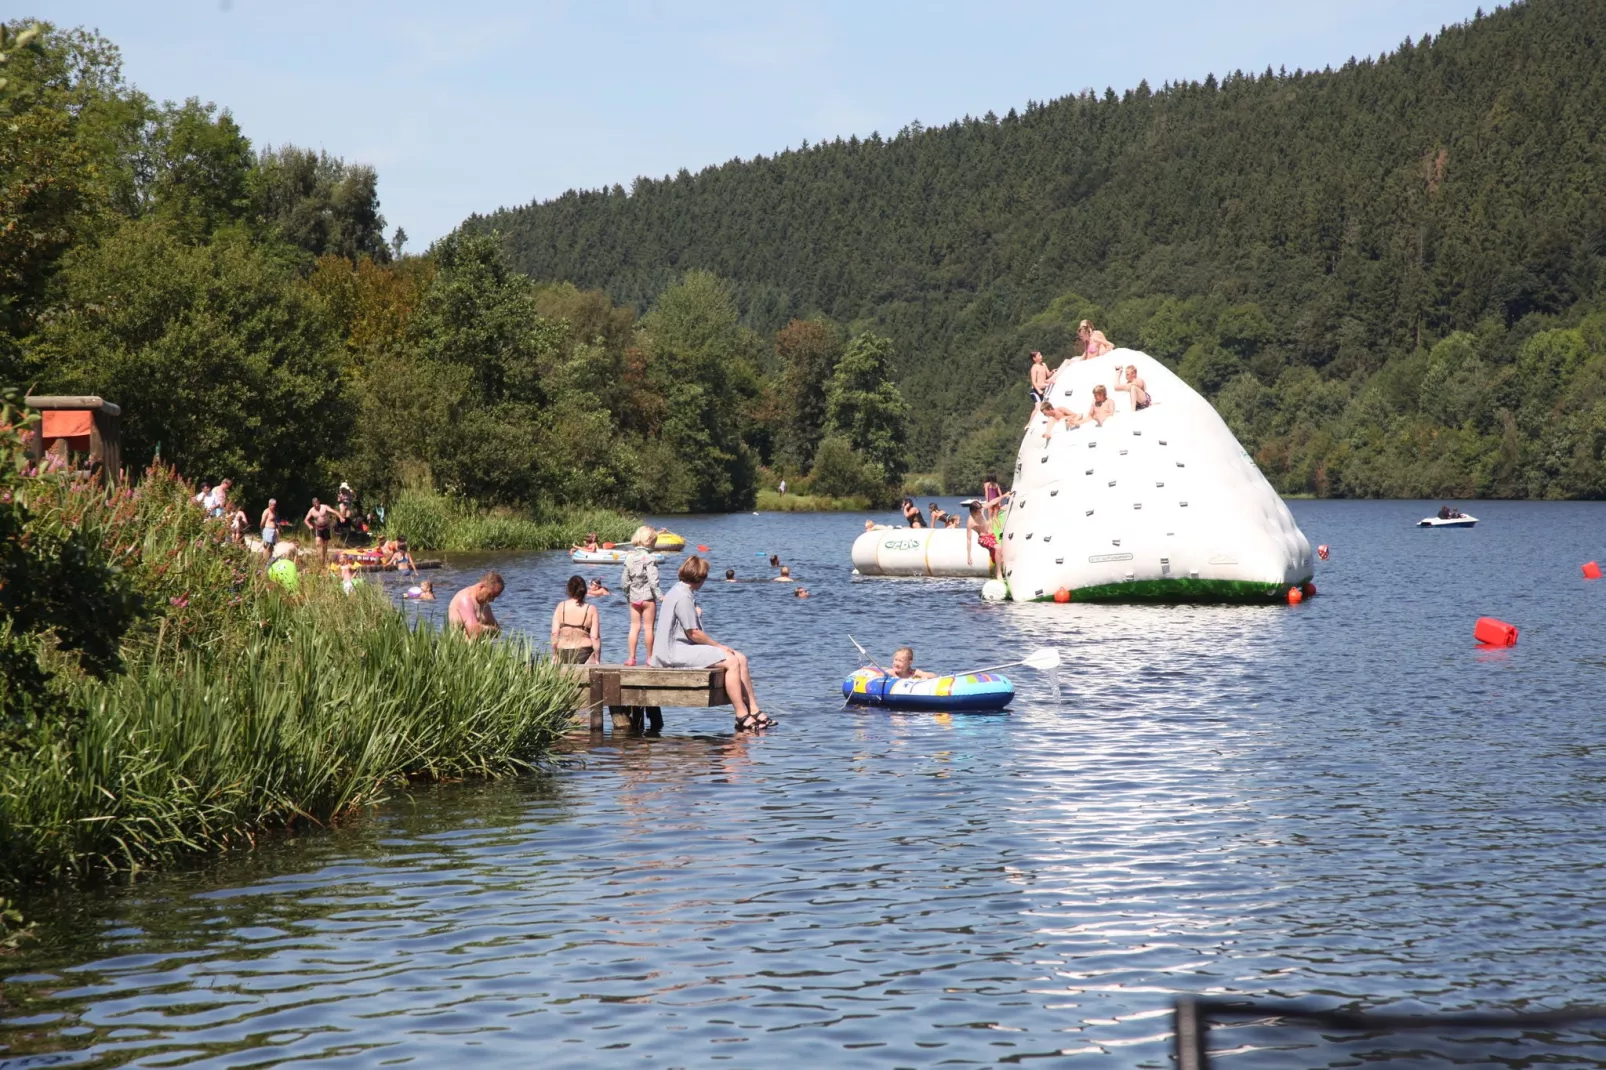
[(636, 695)]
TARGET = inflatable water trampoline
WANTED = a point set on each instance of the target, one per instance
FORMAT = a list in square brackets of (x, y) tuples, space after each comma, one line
[(969, 691)]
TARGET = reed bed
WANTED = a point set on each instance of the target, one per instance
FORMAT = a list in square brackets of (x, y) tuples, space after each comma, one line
[(235, 708), (770, 501), (432, 521)]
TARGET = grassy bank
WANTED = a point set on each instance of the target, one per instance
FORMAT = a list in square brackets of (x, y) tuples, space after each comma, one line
[(432, 521), (771, 501), (235, 708)]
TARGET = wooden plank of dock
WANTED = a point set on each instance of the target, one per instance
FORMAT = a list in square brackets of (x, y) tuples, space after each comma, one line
[(635, 695)]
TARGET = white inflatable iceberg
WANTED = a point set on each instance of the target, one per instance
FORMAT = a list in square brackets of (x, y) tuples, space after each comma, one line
[(1158, 504)]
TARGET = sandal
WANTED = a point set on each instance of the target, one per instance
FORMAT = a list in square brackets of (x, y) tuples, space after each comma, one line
[(747, 723), (762, 719)]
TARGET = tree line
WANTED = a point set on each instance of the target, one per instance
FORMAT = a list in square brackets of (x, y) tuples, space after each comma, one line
[(1384, 274), (246, 310)]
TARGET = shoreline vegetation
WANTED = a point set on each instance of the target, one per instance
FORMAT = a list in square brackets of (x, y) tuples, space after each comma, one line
[(172, 702), (430, 520), (771, 501)]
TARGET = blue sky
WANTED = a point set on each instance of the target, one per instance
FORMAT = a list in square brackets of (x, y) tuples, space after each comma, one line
[(468, 106)]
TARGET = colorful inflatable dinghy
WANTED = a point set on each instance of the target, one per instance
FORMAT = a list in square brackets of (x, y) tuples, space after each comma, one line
[(603, 557), (972, 691)]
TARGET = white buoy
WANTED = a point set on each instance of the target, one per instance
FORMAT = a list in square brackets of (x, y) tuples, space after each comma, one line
[(995, 590)]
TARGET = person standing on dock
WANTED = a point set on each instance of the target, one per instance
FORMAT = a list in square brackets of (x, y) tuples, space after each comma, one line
[(640, 582), (687, 646), (471, 607)]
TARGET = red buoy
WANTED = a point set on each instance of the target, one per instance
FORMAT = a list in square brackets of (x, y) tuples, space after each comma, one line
[(1309, 589), (1591, 570), (1062, 596), (1495, 632), (1321, 551)]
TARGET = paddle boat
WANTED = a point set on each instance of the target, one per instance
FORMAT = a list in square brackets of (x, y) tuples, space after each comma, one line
[(615, 556), (1461, 521), (968, 691), (668, 540)]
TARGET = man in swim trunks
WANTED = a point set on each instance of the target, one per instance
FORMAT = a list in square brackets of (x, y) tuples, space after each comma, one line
[(320, 518), (270, 529), (1102, 408), (471, 607), (1040, 378), (903, 665), (1133, 386)]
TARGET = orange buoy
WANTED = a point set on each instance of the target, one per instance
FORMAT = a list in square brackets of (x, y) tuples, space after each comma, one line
[(1295, 596), (1494, 632), (1062, 596), (1309, 589), (1321, 551), (1591, 570), (701, 548)]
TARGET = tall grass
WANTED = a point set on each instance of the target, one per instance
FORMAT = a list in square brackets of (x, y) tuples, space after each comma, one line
[(239, 708), (429, 520), (773, 502)]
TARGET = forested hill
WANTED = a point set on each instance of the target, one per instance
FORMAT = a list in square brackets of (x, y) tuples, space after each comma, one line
[(1306, 246)]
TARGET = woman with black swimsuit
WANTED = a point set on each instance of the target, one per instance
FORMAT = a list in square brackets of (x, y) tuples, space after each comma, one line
[(576, 642)]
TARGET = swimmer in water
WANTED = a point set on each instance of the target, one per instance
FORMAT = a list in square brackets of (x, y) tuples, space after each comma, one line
[(597, 590)]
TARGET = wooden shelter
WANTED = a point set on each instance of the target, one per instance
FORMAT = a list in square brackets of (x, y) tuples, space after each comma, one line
[(87, 425)]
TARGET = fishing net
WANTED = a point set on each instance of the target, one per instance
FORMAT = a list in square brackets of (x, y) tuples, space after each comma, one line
[(1254, 1035)]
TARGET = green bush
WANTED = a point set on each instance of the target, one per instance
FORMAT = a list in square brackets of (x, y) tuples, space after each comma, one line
[(429, 520)]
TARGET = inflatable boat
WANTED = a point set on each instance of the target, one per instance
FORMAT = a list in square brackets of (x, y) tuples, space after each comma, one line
[(668, 540), (972, 691), (1462, 521), (603, 557)]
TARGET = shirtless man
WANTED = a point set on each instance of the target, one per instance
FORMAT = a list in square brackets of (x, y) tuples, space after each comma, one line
[(471, 607), (1133, 386), (1040, 378), (1102, 408), (270, 529), (903, 665), (1072, 419), (319, 518)]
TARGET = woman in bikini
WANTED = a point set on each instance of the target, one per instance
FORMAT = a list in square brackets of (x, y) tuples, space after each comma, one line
[(640, 583), (1093, 341), (576, 628)]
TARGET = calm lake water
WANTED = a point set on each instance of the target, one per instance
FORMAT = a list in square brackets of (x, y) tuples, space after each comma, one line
[(1345, 801)]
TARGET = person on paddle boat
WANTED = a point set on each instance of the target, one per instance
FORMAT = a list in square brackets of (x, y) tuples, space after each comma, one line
[(903, 666), (984, 533), (470, 608), (1134, 386), (596, 589), (639, 580), (1102, 408), (576, 628), (687, 646), (1444, 512), (589, 546)]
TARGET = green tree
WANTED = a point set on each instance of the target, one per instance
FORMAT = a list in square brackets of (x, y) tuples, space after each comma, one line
[(320, 203), (866, 409), (201, 167), (806, 355), (218, 354)]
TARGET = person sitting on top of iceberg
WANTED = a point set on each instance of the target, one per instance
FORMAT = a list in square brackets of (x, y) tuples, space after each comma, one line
[(1133, 386), (1093, 341), (1102, 408)]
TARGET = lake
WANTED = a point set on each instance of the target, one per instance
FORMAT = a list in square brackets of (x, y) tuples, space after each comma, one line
[(1345, 801)]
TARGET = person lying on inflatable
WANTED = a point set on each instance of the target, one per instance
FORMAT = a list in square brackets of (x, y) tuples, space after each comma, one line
[(903, 666)]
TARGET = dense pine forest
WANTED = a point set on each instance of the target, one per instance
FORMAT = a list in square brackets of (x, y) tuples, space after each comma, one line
[(1387, 275)]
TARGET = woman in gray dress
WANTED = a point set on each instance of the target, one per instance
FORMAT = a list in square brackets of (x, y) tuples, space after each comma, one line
[(682, 644)]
